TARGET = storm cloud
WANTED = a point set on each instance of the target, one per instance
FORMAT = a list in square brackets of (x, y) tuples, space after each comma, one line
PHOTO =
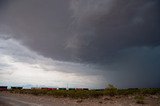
[(87, 31), (119, 40)]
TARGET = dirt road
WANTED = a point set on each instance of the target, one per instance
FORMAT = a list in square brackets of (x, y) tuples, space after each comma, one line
[(10, 99)]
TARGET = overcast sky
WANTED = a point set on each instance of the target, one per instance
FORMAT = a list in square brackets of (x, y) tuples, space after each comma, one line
[(82, 43)]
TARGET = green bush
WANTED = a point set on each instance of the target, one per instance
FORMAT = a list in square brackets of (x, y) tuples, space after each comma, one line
[(111, 90)]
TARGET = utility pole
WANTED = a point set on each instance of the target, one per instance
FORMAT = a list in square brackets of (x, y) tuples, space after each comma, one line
[(67, 86)]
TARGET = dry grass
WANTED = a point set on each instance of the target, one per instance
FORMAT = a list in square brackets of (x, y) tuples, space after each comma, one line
[(89, 93)]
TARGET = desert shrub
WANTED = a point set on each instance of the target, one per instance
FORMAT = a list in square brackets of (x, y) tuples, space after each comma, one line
[(110, 90), (129, 91), (75, 94), (38, 92), (15, 91), (151, 91)]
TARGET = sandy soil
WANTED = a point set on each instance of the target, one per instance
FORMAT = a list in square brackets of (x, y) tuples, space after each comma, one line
[(10, 99)]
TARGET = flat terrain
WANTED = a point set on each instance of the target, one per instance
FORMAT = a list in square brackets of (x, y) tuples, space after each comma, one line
[(11, 99)]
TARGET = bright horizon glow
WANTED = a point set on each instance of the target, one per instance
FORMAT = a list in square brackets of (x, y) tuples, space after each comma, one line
[(40, 71)]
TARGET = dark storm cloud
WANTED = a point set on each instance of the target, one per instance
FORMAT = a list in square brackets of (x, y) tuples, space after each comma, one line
[(3, 3), (43, 22), (83, 31), (127, 24), (120, 38), (136, 67)]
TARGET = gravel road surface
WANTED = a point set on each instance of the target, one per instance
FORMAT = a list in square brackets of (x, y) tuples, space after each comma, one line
[(11, 99)]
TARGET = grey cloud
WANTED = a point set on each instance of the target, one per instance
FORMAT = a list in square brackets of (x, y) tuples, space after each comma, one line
[(136, 67), (3, 66), (43, 22), (14, 50), (128, 24), (121, 38), (11, 47), (83, 31)]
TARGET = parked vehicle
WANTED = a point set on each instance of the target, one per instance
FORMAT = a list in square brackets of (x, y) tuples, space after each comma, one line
[(3, 88), (62, 89), (16, 88), (71, 88), (85, 89)]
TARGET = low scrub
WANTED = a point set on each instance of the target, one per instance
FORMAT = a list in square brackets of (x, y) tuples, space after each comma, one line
[(109, 91)]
